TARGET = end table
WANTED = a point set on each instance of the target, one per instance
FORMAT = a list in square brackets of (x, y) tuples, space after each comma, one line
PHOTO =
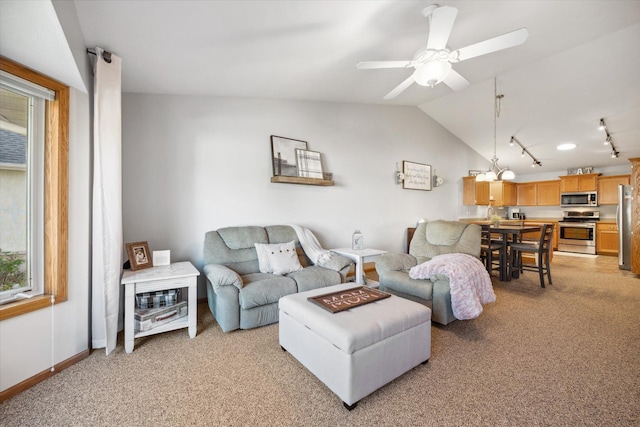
[(176, 275), (359, 256)]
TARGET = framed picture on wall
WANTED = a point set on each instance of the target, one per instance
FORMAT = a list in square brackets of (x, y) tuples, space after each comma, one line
[(417, 176), (283, 155), (139, 255)]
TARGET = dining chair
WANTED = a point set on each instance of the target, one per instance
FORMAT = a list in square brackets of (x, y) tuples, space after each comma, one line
[(490, 250), (542, 249)]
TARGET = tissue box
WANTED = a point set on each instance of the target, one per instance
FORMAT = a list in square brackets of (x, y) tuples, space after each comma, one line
[(145, 319)]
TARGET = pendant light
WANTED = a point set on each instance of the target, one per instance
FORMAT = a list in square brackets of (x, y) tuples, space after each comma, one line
[(495, 172)]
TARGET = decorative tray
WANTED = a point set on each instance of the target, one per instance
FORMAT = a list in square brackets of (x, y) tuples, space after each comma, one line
[(348, 298)]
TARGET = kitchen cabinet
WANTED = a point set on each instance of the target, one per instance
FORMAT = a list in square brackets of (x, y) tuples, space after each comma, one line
[(502, 193), (539, 193), (473, 192), (608, 188), (635, 215), (526, 193), (548, 193), (606, 238), (584, 182)]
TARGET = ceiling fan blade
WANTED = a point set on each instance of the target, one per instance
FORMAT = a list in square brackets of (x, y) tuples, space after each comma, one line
[(400, 88), (442, 20), (369, 65), (455, 81), (504, 41)]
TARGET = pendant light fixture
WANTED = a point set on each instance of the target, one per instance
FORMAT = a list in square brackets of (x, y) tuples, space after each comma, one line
[(495, 172)]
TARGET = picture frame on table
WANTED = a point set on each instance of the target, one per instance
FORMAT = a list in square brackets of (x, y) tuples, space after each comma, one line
[(474, 172), (139, 255), (417, 176), (283, 155)]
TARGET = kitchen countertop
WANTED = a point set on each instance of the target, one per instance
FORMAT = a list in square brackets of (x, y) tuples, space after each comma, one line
[(484, 220)]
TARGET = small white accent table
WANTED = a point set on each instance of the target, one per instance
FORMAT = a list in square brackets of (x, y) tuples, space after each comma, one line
[(176, 275), (359, 256)]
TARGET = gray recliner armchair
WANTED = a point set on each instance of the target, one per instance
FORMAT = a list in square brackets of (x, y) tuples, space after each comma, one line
[(242, 297), (430, 239)]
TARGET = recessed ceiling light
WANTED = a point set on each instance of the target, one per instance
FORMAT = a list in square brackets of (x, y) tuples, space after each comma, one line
[(565, 147)]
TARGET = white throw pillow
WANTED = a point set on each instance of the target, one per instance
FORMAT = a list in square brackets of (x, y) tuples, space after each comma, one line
[(280, 258)]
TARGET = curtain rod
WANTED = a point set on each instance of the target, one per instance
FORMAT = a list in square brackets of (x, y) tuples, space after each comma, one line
[(105, 55)]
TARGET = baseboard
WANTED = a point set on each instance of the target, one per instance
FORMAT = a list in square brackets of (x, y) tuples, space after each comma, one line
[(38, 378)]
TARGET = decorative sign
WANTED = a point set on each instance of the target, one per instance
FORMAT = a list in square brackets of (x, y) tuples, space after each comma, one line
[(417, 176), (348, 298), (580, 171)]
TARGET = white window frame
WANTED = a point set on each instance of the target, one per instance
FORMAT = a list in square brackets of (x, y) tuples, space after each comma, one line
[(35, 133)]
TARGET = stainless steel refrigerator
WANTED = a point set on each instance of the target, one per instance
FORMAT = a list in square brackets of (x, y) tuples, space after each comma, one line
[(623, 220)]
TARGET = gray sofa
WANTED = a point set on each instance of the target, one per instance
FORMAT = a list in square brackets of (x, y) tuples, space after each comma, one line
[(430, 239), (239, 295)]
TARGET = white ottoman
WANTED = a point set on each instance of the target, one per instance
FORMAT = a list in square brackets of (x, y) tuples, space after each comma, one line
[(357, 351)]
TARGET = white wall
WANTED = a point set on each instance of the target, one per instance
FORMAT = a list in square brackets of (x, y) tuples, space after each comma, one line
[(27, 341), (32, 342), (194, 164)]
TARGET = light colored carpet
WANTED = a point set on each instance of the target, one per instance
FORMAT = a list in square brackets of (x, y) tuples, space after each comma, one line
[(567, 355)]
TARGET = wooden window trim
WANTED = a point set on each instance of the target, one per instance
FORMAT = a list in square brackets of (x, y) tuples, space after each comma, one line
[(56, 192)]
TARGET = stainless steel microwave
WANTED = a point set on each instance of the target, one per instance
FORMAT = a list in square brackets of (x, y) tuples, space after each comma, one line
[(583, 198)]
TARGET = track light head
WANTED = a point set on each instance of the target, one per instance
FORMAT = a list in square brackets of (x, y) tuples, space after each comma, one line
[(602, 125)]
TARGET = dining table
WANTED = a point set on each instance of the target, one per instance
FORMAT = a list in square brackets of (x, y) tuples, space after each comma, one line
[(510, 233)]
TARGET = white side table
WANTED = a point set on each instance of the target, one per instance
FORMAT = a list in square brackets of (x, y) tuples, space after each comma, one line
[(359, 256), (176, 275)]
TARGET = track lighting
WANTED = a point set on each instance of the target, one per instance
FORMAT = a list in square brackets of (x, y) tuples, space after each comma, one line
[(536, 162), (608, 140), (602, 125)]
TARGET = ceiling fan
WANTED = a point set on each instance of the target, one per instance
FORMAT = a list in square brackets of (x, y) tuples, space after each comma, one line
[(432, 63)]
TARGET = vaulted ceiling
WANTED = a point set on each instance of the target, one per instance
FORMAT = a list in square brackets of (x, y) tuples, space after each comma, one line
[(579, 64)]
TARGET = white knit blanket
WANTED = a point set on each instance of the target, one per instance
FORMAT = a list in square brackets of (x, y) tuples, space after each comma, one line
[(311, 246), (469, 281)]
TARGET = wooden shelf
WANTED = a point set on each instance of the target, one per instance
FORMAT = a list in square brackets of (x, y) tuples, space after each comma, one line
[(300, 180)]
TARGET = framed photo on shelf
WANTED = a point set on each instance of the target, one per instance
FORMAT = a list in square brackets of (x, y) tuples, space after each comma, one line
[(474, 172), (417, 176), (309, 164), (139, 255), (283, 155)]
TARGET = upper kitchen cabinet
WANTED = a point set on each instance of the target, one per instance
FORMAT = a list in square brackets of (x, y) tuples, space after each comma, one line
[(526, 193), (548, 193), (584, 182), (502, 193), (540, 193), (608, 188), (473, 192)]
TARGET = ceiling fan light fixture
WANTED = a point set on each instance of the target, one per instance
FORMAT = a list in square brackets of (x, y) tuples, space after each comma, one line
[(432, 72)]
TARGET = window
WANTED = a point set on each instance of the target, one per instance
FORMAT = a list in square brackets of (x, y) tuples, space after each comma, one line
[(39, 250)]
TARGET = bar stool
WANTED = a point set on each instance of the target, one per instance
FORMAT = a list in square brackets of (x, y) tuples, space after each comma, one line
[(542, 248)]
